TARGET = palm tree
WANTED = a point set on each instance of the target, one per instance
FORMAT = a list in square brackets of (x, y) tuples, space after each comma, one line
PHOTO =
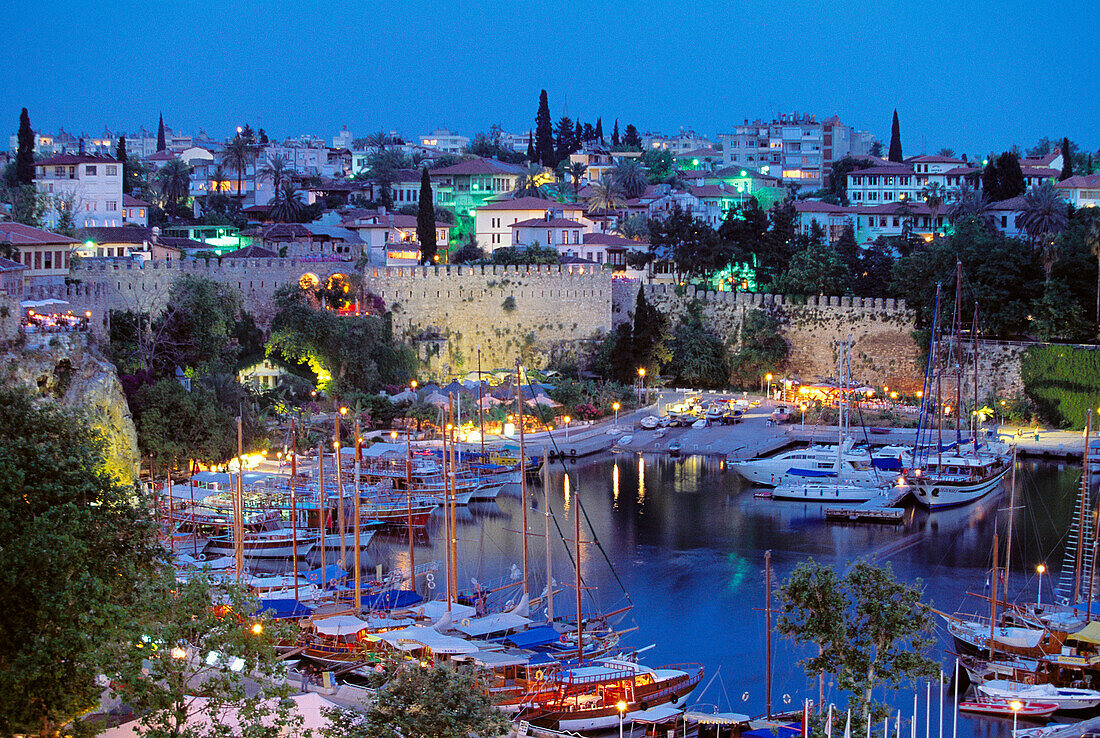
[(217, 178), (237, 155), (528, 182), (934, 196), (576, 170), (174, 183), (606, 196), (630, 176), (636, 227), (969, 203), (1044, 216), (275, 170), (377, 140), (288, 207)]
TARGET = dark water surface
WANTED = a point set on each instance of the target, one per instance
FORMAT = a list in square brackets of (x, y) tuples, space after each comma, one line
[(687, 539)]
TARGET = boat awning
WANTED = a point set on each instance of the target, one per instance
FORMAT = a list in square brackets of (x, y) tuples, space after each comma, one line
[(659, 714), (225, 478), (495, 623), (282, 609), (332, 574), (717, 718), (774, 731), (415, 636), (436, 609), (1089, 634), (810, 472), (890, 464), (498, 659), (394, 599), (341, 625), (543, 635), (187, 492)]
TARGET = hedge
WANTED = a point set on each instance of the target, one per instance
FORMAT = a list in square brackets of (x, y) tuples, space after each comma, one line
[(1063, 382)]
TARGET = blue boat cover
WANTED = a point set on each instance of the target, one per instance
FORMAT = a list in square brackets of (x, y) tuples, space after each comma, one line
[(393, 599), (779, 731), (540, 636), (283, 609), (333, 574), (539, 658), (810, 472), (890, 464)]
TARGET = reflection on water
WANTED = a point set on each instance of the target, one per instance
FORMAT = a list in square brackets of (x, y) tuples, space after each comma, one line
[(689, 550)]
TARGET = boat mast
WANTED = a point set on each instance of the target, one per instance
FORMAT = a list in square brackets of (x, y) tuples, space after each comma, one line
[(446, 514), (577, 561), (355, 522), (294, 506), (322, 510), (1011, 515), (409, 504), (958, 352), (238, 516), (168, 513), (546, 532), (454, 503), (1082, 515), (768, 642), (480, 409), (977, 417), (993, 599), (340, 521), (522, 471)]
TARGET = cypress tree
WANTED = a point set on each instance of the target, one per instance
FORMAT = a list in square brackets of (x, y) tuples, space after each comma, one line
[(24, 158), (530, 148), (631, 139), (848, 249), (895, 141), (425, 220), (1089, 165), (1010, 177), (544, 133), (599, 129), (563, 141), (161, 146), (1067, 161), (120, 154), (990, 186), (615, 133)]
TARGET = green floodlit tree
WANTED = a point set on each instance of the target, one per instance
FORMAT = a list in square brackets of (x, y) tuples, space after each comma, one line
[(425, 220), (763, 349), (871, 631), (75, 541), (423, 702)]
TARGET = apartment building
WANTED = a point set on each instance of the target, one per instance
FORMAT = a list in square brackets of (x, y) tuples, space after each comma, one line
[(91, 183)]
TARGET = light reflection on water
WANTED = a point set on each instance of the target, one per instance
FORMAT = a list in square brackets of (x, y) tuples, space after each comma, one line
[(689, 549)]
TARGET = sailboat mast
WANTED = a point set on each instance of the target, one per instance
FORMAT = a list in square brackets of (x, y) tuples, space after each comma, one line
[(294, 506), (768, 641), (577, 561), (409, 503), (958, 352), (1082, 516), (546, 532), (238, 518), (355, 522), (993, 600), (168, 513), (480, 409), (340, 519), (522, 472), (322, 512), (454, 505), (976, 416), (446, 516), (1011, 515)]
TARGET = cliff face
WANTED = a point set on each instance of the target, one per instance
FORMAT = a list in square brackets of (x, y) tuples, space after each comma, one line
[(63, 366)]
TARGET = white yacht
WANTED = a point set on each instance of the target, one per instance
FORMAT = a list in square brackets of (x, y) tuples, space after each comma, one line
[(858, 465)]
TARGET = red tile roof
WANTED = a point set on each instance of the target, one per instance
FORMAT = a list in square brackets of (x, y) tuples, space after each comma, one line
[(7, 265), (891, 208), (817, 206), (18, 234), (888, 169), (477, 166), (1081, 180), (610, 239), (61, 159), (934, 159), (552, 223), (531, 203), (129, 201), (700, 154)]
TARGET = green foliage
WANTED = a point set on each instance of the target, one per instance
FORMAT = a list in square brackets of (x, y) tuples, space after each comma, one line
[(509, 304), (425, 220), (75, 541), (649, 341), (197, 326), (1063, 382), (24, 157), (763, 350), (166, 661), (174, 425), (659, 164), (544, 133), (871, 631), (1010, 177), (698, 354), (689, 243), (533, 254), (816, 270), (28, 205), (424, 702), (838, 176)]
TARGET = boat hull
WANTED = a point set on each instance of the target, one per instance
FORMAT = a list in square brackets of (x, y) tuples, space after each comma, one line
[(278, 548), (936, 495), (825, 493)]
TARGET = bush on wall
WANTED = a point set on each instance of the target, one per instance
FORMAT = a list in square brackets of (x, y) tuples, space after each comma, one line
[(1063, 382)]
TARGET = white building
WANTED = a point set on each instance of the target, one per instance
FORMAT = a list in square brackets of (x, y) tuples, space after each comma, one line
[(682, 142), (1082, 191), (445, 141), (493, 222), (343, 139), (92, 183)]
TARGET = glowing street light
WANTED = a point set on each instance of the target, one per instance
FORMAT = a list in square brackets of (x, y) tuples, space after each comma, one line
[(566, 420), (1016, 706), (615, 407), (257, 628), (621, 707), (1041, 568)]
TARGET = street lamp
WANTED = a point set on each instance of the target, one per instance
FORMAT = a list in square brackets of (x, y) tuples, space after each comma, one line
[(621, 706), (566, 420), (615, 407), (803, 408), (1041, 568), (768, 379), (641, 379), (1016, 705)]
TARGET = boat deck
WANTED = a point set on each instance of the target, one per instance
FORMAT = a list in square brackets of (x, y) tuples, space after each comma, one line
[(881, 509)]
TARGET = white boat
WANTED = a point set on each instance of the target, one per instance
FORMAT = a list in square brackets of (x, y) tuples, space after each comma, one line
[(332, 539), (624, 441), (487, 490), (857, 465), (825, 492), (700, 423), (957, 480), (264, 544), (649, 422), (1067, 698)]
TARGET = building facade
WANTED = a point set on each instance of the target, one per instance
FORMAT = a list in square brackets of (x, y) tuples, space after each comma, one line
[(90, 185)]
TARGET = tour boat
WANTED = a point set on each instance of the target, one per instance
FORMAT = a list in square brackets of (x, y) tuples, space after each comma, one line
[(262, 544), (649, 422), (956, 479), (857, 465), (989, 706), (1065, 698)]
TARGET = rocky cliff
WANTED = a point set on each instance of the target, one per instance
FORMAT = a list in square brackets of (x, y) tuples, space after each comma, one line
[(67, 367)]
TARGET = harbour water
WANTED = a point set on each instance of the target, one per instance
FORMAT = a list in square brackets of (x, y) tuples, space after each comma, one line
[(687, 540)]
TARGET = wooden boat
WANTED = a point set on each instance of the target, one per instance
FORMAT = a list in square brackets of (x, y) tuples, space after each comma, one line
[(1004, 708), (1066, 698)]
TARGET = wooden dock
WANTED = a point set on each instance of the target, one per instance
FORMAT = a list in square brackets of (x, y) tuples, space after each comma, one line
[(881, 509)]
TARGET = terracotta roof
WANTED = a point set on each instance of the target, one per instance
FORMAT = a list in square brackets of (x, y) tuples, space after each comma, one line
[(891, 169), (1041, 161), (1012, 203), (552, 223), (735, 171), (179, 243), (934, 159), (610, 239), (251, 252), (1040, 172), (1080, 180), (477, 166), (7, 265), (962, 170), (817, 206), (891, 208), (74, 159), (531, 203), (120, 234), (18, 234), (129, 201), (161, 156), (286, 232), (709, 191), (699, 154)]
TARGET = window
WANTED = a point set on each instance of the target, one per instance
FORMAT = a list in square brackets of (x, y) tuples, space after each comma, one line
[(141, 213), (1004, 221), (89, 170), (112, 205), (59, 171), (111, 170)]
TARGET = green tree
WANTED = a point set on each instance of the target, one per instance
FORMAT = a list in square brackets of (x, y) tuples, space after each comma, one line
[(1044, 216), (564, 144), (287, 206), (744, 230), (64, 204), (576, 171), (691, 245), (848, 250), (659, 165), (630, 176), (1010, 177), (631, 138), (615, 134), (991, 188), (1067, 161), (161, 145), (424, 702), (934, 196), (75, 542), (649, 339), (237, 155), (606, 196), (175, 425), (544, 133), (24, 156), (876, 264), (598, 133), (425, 219), (158, 672), (895, 141), (174, 184), (871, 630), (762, 349), (275, 170), (698, 354), (196, 326), (838, 176), (816, 270), (127, 172), (28, 205)]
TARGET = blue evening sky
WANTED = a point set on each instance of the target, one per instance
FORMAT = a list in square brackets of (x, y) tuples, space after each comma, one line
[(973, 76)]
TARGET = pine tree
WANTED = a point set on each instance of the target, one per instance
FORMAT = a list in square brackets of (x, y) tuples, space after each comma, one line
[(120, 154), (578, 136), (650, 340), (895, 141), (425, 220), (1067, 161), (263, 137), (24, 159), (161, 146), (848, 249), (544, 133), (1010, 177), (530, 148), (599, 129), (563, 141), (615, 134), (631, 139), (990, 186)]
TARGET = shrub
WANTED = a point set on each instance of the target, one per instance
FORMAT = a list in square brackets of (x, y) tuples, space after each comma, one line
[(1063, 382)]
